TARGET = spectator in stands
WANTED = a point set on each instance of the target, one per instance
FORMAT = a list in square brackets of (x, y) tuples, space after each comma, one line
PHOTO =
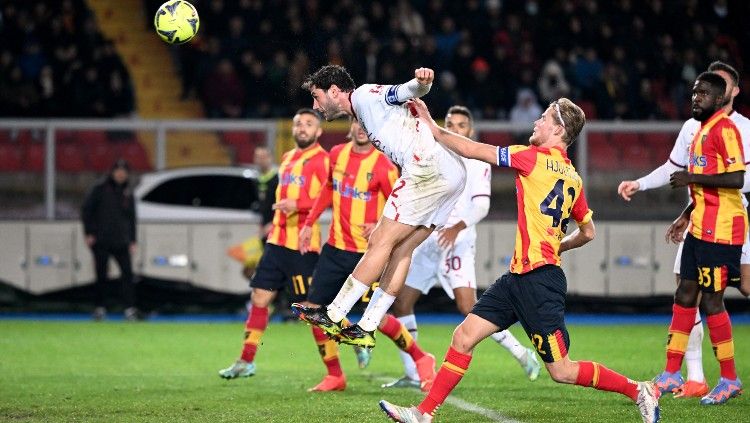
[(224, 92), (552, 82), (527, 108), (109, 224), (525, 111)]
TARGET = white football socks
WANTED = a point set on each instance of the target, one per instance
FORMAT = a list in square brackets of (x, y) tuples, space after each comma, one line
[(510, 343), (348, 295), (410, 369), (380, 302), (694, 352)]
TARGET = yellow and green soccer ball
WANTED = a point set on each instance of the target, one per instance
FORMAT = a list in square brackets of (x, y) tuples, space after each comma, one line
[(176, 21)]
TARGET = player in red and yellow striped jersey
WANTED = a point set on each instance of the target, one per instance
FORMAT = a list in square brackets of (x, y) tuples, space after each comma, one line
[(302, 173), (359, 181), (712, 248), (549, 193)]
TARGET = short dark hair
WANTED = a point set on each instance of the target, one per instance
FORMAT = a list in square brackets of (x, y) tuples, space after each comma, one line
[(460, 110), (329, 75), (724, 67), (716, 81), (308, 111), (120, 164)]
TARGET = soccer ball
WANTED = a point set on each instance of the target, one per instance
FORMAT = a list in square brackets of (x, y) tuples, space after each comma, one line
[(176, 21)]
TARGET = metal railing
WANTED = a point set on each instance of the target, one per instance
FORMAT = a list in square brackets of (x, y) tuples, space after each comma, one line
[(160, 129)]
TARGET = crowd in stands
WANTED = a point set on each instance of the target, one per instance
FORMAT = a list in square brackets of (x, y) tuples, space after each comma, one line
[(622, 59), (55, 62)]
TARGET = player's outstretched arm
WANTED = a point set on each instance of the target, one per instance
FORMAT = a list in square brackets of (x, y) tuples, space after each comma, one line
[(415, 88), (721, 180), (659, 177), (459, 144), (579, 237)]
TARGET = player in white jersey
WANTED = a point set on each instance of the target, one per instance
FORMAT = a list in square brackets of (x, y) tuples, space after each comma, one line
[(696, 386), (431, 181), (447, 257)]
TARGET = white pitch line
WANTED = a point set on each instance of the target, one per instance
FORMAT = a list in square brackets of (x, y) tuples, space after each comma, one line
[(472, 408)]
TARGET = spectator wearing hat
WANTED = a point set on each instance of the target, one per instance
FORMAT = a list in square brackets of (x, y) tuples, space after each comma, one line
[(108, 215)]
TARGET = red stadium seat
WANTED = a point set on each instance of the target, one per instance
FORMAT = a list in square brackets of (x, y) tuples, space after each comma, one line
[(237, 137), (11, 158), (101, 157), (34, 153), (602, 154), (90, 138), (660, 144), (135, 154), (502, 139), (636, 155), (243, 143), (70, 157), (243, 153), (589, 109)]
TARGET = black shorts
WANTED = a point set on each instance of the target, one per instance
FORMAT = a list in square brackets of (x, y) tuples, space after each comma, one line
[(711, 265), (333, 268), (537, 300), (281, 267)]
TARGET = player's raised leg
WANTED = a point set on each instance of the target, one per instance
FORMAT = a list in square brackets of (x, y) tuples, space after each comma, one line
[(388, 234), (391, 282)]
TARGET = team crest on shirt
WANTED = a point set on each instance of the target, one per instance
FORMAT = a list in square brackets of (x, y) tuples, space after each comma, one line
[(369, 176)]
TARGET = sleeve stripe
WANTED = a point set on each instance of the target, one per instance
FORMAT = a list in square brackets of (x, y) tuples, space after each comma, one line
[(677, 164)]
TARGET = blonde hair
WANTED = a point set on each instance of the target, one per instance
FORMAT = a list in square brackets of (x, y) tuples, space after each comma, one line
[(572, 116)]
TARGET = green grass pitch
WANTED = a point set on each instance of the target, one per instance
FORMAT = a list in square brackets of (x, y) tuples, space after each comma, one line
[(159, 372)]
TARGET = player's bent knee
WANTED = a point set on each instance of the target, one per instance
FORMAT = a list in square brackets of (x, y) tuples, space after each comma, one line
[(461, 340), (562, 371)]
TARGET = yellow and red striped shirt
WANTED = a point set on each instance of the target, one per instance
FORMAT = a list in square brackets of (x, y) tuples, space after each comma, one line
[(719, 215), (549, 192), (358, 186), (302, 174)]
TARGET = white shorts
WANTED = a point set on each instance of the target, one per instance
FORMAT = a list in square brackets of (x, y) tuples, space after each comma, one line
[(427, 190), (744, 258), (453, 268)]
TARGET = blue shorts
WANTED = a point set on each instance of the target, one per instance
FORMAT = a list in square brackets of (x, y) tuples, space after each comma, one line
[(333, 268), (537, 300), (280, 268)]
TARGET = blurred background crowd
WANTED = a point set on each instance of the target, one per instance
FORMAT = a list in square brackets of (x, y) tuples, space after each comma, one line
[(619, 59)]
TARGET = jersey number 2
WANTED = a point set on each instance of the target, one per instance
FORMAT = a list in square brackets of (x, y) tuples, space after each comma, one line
[(555, 211)]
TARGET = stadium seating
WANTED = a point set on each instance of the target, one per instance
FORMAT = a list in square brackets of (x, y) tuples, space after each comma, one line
[(134, 153), (70, 157), (34, 157), (11, 158), (603, 154), (243, 144)]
